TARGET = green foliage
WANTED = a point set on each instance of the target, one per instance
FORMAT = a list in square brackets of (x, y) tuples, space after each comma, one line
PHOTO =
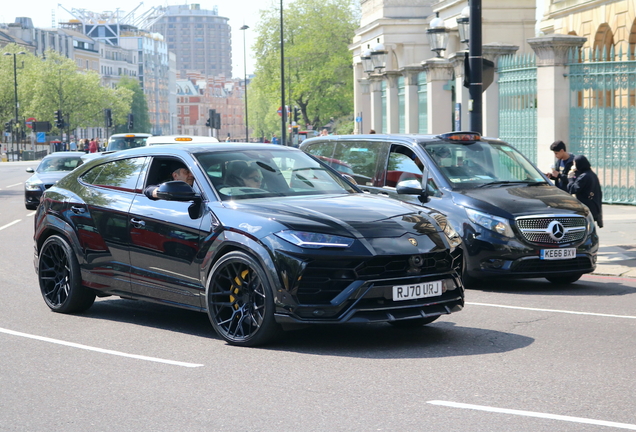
[(318, 70), (139, 107), (54, 83)]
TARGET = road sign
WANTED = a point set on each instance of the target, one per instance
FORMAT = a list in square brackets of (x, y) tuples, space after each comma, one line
[(359, 119), (41, 137), (280, 111), (29, 122)]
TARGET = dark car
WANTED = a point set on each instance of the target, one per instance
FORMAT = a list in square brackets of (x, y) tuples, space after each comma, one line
[(514, 223), (266, 236), (52, 168)]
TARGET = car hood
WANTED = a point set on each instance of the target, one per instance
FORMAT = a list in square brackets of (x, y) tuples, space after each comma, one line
[(356, 215), (511, 201), (48, 177)]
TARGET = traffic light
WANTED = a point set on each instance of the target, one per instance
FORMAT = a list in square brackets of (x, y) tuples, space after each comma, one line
[(108, 117), (131, 121), (217, 121), (59, 119), (7, 127), (211, 114), (296, 114)]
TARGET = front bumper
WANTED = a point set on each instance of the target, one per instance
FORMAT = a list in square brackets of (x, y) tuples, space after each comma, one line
[(490, 256), (371, 301)]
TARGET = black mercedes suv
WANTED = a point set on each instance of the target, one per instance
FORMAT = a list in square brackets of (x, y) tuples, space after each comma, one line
[(514, 223)]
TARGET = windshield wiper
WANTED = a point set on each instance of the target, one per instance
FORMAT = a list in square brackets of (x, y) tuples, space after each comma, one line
[(505, 182)]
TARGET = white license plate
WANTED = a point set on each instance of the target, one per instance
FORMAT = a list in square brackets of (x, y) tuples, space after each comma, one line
[(421, 290), (555, 254)]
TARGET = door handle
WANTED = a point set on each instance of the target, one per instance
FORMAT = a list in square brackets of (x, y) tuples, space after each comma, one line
[(78, 210), (137, 223)]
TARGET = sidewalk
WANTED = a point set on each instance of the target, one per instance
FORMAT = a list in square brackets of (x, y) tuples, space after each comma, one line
[(617, 252)]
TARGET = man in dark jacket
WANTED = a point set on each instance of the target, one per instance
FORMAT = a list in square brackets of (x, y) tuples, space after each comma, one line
[(178, 171), (562, 166), (583, 183)]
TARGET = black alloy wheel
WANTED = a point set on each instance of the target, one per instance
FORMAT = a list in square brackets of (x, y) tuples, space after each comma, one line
[(60, 279), (564, 280), (239, 301)]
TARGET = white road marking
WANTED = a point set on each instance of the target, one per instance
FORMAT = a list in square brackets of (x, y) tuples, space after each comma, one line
[(30, 214), (554, 310), (534, 414), (100, 350), (17, 184), (9, 224)]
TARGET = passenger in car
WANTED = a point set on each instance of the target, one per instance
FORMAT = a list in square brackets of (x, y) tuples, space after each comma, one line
[(241, 174), (178, 171)]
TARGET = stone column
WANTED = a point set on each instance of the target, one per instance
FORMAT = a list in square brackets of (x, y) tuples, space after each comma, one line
[(461, 93), (363, 105), (392, 110), (411, 99), (553, 92), (439, 72), (376, 103), (490, 100)]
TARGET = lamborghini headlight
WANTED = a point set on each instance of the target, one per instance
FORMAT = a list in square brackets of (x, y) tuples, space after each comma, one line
[(314, 240)]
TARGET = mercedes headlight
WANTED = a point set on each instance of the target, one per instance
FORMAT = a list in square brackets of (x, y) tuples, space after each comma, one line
[(314, 240), (33, 185), (490, 222)]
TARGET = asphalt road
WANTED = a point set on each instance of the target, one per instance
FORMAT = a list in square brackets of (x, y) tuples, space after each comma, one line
[(522, 356)]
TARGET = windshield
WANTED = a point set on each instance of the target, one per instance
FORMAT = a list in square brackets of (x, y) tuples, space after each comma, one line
[(261, 174), (59, 164), (478, 164), (124, 143)]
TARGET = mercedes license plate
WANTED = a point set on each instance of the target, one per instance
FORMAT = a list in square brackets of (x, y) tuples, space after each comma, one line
[(555, 254), (415, 291)]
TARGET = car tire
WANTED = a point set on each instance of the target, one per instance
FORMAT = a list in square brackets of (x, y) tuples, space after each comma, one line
[(414, 323), (240, 301), (60, 279), (564, 280)]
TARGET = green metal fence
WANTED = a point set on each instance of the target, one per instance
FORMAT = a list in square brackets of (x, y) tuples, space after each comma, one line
[(603, 118), (518, 102)]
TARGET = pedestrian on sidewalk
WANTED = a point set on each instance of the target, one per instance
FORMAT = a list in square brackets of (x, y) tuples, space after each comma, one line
[(562, 165), (583, 182)]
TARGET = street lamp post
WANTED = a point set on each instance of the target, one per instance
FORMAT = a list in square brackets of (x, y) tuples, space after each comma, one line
[(15, 86), (282, 80), (476, 67), (247, 136)]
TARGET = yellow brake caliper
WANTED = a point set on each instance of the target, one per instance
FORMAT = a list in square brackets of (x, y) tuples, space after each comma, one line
[(236, 290)]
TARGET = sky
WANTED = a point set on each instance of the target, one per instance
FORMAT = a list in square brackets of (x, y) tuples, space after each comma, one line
[(239, 12)]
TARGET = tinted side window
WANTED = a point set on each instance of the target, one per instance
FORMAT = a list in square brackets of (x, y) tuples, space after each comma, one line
[(361, 158), (119, 174), (401, 167)]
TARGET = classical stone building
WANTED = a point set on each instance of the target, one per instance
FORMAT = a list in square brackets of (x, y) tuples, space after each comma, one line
[(416, 91)]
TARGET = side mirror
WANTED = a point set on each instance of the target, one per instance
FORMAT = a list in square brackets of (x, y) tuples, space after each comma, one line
[(30, 170), (176, 190), (412, 187)]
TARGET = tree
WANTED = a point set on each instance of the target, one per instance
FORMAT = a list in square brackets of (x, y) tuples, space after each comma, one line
[(139, 107), (53, 83), (318, 65), (58, 85)]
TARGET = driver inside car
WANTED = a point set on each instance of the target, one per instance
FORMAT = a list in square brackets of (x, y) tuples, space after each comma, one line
[(178, 172)]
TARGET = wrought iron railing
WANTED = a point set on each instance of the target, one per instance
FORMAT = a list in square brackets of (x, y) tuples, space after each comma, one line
[(518, 102), (603, 118)]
